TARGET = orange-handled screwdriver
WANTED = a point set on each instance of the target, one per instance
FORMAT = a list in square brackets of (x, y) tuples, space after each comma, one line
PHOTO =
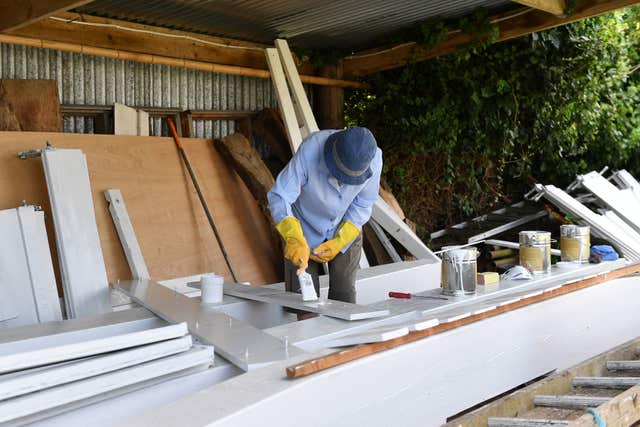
[(405, 295)]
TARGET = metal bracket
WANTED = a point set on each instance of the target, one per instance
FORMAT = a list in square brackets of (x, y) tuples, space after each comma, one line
[(30, 154)]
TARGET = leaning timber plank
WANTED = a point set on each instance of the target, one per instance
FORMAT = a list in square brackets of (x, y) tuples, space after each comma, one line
[(335, 359), (126, 233), (616, 383), (331, 308), (384, 240), (18, 408), (569, 402), (84, 275), (621, 411), (38, 257), (238, 342), (623, 365), (284, 98), (299, 95), (524, 422), (15, 282), (39, 379), (17, 361)]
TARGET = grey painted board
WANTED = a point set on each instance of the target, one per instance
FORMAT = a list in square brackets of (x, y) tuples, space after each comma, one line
[(619, 383), (49, 355), (126, 234), (524, 422), (33, 380), (84, 277), (570, 402), (331, 308), (623, 365), (21, 407), (38, 257), (15, 281), (238, 342)]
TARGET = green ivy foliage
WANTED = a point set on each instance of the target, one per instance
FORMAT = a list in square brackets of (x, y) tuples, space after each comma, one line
[(467, 132)]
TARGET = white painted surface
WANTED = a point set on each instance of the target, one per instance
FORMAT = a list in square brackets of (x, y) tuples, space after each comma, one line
[(84, 277), (240, 343), (372, 335), (38, 257), (331, 308), (15, 282), (32, 380), (23, 360), (126, 234), (625, 205), (130, 121), (428, 380), (21, 407)]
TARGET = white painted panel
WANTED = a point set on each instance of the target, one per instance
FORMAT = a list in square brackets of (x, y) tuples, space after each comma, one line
[(373, 335), (84, 276), (238, 342), (127, 235), (38, 256), (17, 361), (15, 281)]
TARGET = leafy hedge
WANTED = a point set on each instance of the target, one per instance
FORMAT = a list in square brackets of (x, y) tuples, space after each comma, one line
[(468, 131)]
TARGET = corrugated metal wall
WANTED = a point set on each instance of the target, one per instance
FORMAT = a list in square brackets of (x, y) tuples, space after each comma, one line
[(92, 80)]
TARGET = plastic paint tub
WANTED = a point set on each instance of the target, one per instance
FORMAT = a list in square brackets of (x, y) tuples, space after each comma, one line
[(459, 271), (212, 287), (535, 251), (575, 242)]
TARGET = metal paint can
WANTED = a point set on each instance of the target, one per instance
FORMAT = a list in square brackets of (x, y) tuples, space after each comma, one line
[(575, 243), (459, 270), (535, 251)]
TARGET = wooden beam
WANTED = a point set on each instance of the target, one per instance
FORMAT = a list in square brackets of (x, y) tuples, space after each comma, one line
[(622, 410), (556, 7), (16, 14), (344, 356), (169, 61), (513, 25)]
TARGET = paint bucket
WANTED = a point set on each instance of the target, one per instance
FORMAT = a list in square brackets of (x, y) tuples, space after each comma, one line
[(535, 251), (459, 270), (575, 242), (212, 287)]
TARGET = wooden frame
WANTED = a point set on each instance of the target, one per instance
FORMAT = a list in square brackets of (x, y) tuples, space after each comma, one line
[(510, 25), (16, 14)]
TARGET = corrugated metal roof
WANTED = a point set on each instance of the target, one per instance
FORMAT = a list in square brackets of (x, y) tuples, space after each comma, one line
[(306, 23)]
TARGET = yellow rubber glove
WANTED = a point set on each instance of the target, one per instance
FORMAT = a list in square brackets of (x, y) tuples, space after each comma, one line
[(296, 248), (327, 251)]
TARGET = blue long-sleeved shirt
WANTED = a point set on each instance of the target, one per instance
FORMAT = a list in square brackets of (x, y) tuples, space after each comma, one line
[(306, 190)]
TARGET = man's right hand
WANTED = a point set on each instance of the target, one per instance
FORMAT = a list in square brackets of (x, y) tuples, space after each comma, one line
[(296, 247)]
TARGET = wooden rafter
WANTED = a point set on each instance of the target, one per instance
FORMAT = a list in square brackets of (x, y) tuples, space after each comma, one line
[(556, 7), (15, 14), (514, 25)]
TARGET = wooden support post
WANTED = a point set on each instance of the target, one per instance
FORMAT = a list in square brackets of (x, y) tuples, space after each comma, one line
[(330, 101), (186, 124)]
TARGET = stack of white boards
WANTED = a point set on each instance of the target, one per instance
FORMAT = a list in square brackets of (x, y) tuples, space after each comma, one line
[(28, 292), (41, 380)]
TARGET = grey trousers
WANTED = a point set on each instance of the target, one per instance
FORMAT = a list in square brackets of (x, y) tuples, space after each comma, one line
[(342, 273)]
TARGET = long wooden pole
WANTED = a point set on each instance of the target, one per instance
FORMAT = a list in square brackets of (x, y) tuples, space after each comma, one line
[(172, 62), (338, 358)]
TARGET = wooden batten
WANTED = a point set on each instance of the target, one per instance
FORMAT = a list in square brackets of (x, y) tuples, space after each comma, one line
[(17, 14), (511, 25)]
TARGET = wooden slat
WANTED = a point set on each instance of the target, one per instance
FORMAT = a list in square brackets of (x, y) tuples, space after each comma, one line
[(334, 359), (171, 227), (614, 383), (372, 61), (35, 105), (555, 7), (623, 365), (525, 422), (621, 411), (16, 14), (569, 402)]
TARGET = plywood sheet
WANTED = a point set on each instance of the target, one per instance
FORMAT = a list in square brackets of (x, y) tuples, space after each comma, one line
[(35, 104), (171, 227)]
